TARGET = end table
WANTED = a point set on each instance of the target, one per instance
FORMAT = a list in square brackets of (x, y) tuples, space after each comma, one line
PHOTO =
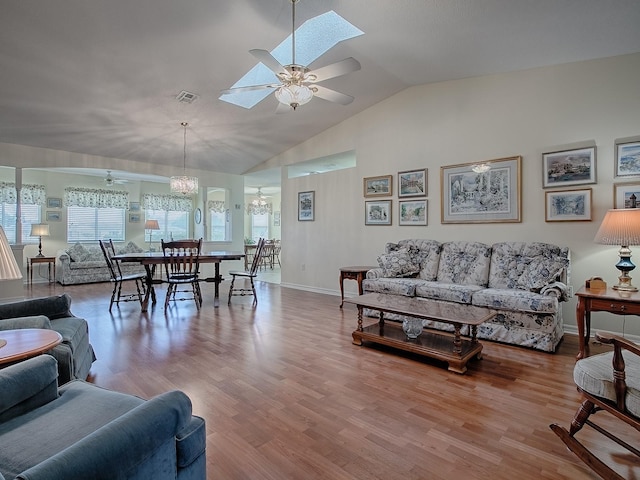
[(352, 273), (51, 261)]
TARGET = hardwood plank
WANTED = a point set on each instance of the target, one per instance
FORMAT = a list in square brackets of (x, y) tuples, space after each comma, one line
[(287, 395)]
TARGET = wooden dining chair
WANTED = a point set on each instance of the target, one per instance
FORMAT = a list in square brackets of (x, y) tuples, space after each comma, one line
[(250, 274), (266, 255), (118, 279), (609, 382), (182, 269)]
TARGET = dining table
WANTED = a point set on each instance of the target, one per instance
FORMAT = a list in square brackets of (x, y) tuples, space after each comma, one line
[(151, 259)]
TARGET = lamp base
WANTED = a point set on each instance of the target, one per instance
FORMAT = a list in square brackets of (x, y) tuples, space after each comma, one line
[(2, 342), (40, 255), (624, 284), (625, 265)]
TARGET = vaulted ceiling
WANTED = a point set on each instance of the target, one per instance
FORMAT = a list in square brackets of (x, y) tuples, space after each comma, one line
[(101, 77)]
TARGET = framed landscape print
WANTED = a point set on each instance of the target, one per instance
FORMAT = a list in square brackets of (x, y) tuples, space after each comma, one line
[(568, 205), (53, 216), (378, 186), (306, 206), (412, 183), (628, 159), (488, 197), (626, 195), (377, 212), (412, 212), (54, 202), (569, 167)]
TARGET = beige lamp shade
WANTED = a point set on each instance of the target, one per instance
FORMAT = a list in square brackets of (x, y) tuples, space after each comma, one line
[(620, 227), (39, 230), (151, 225), (9, 269)]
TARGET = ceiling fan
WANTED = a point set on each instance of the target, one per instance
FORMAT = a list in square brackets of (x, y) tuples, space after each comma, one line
[(110, 180), (298, 83)]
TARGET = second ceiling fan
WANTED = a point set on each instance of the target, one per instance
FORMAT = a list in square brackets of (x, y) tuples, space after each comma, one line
[(298, 83)]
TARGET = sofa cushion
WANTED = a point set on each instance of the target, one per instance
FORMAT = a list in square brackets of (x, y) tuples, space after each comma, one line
[(512, 299), (78, 253), (450, 292), (424, 253), (398, 264), (395, 286), (464, 263), (88, 265), (541, 272)]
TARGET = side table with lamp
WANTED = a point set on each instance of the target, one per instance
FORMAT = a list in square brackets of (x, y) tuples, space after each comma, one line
[(41, 230), (149, 226)]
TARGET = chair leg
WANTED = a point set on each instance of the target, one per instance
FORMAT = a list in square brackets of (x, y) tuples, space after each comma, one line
[(167, 298), (233, 279), (253, 289), (581, 416), (113, 295)]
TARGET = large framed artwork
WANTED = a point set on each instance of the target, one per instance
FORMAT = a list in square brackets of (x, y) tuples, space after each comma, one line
[(493, 196), (412, 212), (377, 212), (412, 183), (628, 159), (626, 195), (569, 167), (568, 205), (378, 186), (306, 206)]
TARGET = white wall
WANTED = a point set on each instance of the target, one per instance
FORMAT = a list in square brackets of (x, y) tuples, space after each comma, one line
[(524, 113)]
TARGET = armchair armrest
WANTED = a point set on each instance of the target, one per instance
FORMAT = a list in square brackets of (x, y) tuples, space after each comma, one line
[(27, 385), (36, 321), (121, 448), (375, 273), (619, 375), (557, 289), (55, 306)]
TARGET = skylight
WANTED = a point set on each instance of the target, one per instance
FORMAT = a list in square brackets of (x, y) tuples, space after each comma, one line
[(313, 38)]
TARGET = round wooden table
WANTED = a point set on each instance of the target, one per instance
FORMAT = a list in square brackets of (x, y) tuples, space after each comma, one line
[(352, 273), (25, 343)]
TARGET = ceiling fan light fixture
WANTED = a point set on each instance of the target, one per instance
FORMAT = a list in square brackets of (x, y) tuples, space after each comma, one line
[(481, 167), (184, 184), (294, 95)]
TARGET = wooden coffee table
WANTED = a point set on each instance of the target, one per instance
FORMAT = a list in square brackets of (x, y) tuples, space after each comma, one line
[(25, 343), (454, 349)]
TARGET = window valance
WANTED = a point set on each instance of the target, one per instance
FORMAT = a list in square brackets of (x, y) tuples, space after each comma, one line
[(29, 194), (217, 206), (96, 198), (168, 203)]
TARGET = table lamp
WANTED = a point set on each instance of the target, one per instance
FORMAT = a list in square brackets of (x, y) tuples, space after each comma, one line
[(621, 227), (9, 269), (151, 225), (39, 230)]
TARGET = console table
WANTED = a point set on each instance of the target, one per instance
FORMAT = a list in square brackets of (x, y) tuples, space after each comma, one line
[(51, 261), (352, 273), (601, 300)]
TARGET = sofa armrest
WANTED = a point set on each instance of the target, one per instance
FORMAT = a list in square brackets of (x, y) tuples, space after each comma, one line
[(557, 289), (35, 321), (27, 385), (123, 448), (375, 273)]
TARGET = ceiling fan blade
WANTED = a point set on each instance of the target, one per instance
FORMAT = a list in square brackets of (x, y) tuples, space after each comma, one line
[(332, 95), (282, 108), (248, 89), (337, 69), (268, 60)]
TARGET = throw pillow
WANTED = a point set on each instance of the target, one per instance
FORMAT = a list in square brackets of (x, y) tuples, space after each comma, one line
[(78, 253), (397, 264), (541, 272), (131, 247)]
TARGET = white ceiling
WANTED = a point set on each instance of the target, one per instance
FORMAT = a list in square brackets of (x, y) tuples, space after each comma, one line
[(101, 77)]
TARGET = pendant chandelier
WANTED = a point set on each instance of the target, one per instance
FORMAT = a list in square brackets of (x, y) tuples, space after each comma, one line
[(259, 206), (184, 184)]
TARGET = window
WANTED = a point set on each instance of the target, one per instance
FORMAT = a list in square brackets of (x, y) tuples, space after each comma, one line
[(90, 224), (259, 226), (173, 225), (30, 214), (218, 222)]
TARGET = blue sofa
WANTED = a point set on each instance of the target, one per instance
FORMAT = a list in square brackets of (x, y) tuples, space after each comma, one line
[(83, 431)]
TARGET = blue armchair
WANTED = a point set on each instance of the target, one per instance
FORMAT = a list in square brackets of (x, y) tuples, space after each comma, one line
[(82, 431)]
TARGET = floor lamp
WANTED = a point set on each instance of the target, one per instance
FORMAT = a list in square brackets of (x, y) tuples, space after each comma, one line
[(39, 230), (9, 269), (151, 225)]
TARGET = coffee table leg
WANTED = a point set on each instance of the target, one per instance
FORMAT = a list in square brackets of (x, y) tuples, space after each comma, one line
[(457, 341), (357, 340)]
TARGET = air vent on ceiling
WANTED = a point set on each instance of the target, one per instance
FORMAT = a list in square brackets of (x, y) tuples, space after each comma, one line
[(186, 97)]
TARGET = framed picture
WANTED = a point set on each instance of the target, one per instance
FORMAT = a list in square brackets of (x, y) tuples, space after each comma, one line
[(378, 186), (626, 195), (482, 197), (134, 206), (377, 212), (276, 219), (53, 216), (569, 167), (134, 218), (412, 212), (54, 202), (628, 159), (306, 206), (568, 205), (412, 183)]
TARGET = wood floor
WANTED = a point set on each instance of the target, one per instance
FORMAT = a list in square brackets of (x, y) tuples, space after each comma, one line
[(286, 395)]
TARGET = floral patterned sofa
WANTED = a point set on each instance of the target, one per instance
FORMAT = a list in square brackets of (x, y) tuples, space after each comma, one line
[(86, 264), (523, 282)]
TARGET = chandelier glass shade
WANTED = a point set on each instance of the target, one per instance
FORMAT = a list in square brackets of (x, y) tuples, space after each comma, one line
[(294, 95), (184, 184), (481, 167)]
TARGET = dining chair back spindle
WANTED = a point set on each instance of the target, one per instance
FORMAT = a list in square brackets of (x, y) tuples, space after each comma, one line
[(250, 274), (182, 269), (118, 279)]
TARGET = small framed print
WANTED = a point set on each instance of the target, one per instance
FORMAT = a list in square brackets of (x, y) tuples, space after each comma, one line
[(628, 159), (53, 216), (626, 195), (134, 218), (569, 167), (276, 219), (134, 206), (378, 186), (412, 212), (54, 202), (568, 205), (306, 206), (377, 212), (412, 183)]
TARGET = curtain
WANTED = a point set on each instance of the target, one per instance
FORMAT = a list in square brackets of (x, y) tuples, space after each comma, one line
[(96, 198), (29, 194), (168, 203), (217, 206)]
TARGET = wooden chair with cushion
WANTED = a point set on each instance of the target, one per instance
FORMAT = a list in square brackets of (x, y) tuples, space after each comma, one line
[(118, 279), (182, 268), (609, 382), (250, 274)]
